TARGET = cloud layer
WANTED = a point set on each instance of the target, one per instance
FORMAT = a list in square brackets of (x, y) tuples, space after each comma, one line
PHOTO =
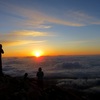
[(22, 37), (34, 18)]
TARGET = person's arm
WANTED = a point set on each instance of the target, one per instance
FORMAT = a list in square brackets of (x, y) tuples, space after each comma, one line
[(2, 51)]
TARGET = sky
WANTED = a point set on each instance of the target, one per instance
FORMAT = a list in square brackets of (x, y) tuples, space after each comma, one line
[(52, 27)]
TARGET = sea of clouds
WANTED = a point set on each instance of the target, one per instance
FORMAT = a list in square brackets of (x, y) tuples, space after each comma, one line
[(53, 66)]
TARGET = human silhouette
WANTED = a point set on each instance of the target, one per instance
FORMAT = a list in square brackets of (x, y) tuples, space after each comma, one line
[(25, 76), (25, 82), (40, 75), (1, 52)]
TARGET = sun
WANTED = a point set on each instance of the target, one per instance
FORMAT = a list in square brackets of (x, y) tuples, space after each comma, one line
[(37, 53)]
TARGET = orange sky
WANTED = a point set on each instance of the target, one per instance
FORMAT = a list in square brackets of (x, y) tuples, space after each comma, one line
[(54, 27)]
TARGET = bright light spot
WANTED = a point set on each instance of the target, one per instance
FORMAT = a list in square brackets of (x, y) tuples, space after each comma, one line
[(37, 53)]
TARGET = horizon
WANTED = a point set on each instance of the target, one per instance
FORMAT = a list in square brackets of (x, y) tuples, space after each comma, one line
[(49, 27), (49, 56)]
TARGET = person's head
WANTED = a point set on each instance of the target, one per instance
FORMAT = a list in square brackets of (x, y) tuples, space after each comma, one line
[(40, 69), (25, 75), (0, 45)]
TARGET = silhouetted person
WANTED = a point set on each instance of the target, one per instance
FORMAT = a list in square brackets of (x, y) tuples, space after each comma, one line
[(1, 52), (25, 82), (40, 75), (25, 76)]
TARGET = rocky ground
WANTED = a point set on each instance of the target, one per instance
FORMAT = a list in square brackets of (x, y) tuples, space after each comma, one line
[(24, 88)]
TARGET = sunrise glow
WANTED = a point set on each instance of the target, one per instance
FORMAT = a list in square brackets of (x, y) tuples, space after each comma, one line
[(64, 28), (37, 53)]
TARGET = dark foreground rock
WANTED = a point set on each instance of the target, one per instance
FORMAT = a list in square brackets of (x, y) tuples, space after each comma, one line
[(19, 88)]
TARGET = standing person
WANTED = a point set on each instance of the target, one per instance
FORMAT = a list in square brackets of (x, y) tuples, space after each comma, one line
[(1, 52), (40, 75)]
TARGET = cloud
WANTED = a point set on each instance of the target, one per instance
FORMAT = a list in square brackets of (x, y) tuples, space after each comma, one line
[(22, 37), (20, 42), (28, 17), (96, 22), (76, 18), (34, 18), (68, 65), (79, 15), (82, 17), (28, 33), (24, 33)]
